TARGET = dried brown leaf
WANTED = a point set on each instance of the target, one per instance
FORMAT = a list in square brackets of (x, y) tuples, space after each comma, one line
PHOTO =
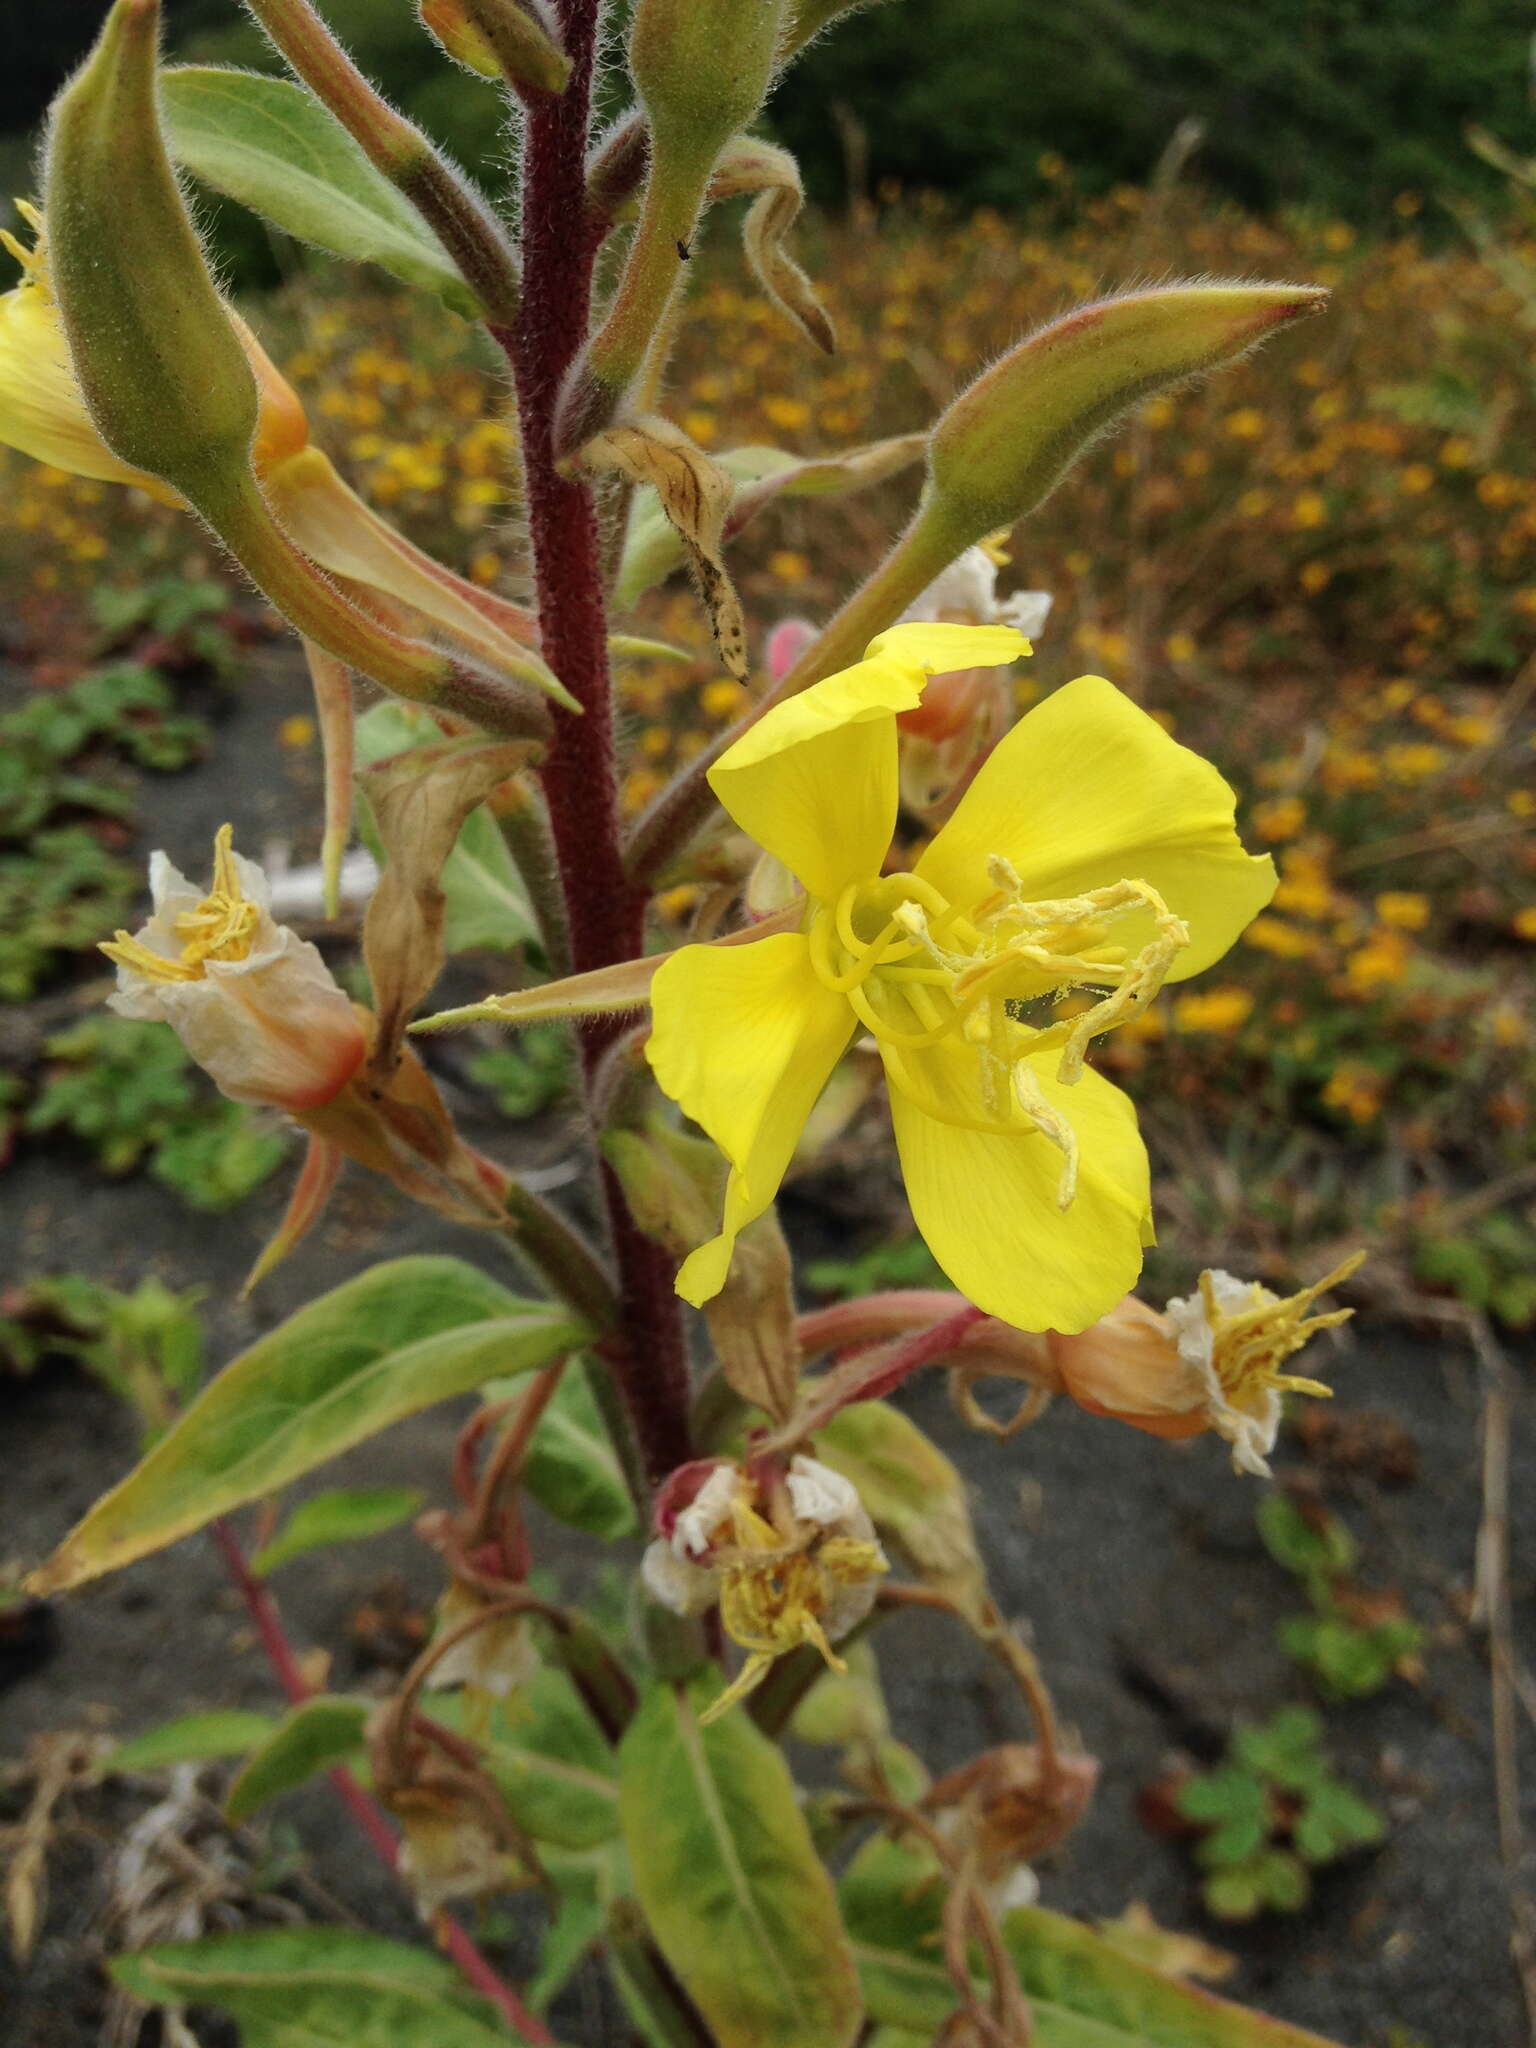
[(420, 800)]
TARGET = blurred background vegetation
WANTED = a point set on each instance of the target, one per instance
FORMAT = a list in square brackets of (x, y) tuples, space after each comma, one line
[(1338, 105)]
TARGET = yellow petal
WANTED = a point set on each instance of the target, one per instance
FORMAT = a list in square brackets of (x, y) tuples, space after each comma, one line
[(743, 1038), (1088, 790), (814, 781), (986, 1201), (939, 647), (41, 410)]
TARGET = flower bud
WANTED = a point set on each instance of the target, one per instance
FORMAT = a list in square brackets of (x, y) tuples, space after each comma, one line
[(510, 39), (788, 1554), (156, 353), (253, 1004), (702, 69), (1007, 441)]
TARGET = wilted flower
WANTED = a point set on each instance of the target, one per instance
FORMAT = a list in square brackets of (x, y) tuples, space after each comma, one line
[(43, 413), (254, 1004), (496, 1657), (1211, 1360), (790, 1558), (964, 714), (1009, 1806)]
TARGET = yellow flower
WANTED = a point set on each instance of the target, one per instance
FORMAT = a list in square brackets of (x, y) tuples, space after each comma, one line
[(1404, 909), (1091, 852), (1218, 1010)]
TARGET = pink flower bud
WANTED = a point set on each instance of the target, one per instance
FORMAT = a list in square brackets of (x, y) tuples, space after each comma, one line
[(786, 643)]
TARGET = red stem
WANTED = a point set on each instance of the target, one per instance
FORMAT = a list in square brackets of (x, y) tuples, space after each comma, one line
[(605, 911), (472, 1965)]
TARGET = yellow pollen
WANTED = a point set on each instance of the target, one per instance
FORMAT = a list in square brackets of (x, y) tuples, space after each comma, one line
[(1251, 1344), (222, 927), (915, 972)]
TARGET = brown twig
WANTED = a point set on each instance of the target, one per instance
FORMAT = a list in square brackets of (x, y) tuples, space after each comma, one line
[(1491, 1609)]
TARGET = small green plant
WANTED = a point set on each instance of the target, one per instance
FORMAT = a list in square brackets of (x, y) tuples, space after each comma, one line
[(905, 1263), (189, 618), (1353, 1642), (147, 1346), (529, 1073), (1490, 1265), (130, 1092), (62, 894), (1269, 1815)]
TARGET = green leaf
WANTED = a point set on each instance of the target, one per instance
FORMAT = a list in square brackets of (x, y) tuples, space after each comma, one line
[(193, 1739), (342, 1516), (269, 144), (317, 1987), (892, 1899), (577, 1923), (573, 1470), (394, 1340), (1286, 1749), (1312, 1546), (1085, 1992), (915, 1497), (310, 1738), (1334, 1821), (1227, 1794), (735, 1895), (486, 904), (549, 1759)]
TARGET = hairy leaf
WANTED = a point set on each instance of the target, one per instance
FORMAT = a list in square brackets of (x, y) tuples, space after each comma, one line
[(485, 901), (573, 1470), (724, 1867), (394, 1340), (269, 144), (549, 1759), (914, 1495)]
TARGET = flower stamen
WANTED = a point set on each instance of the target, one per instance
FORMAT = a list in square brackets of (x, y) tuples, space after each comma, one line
[(222, 927), (1249, 1345)]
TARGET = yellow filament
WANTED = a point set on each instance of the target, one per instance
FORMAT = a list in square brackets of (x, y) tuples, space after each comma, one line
[(1249, 1345), (222, 927)]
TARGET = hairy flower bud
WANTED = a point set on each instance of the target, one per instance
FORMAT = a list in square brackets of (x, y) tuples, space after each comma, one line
[(1007, 441), (156, 353), (510, 39), (702, 68)]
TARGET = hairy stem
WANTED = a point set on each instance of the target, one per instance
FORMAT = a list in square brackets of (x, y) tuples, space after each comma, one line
[(604, 913), (268, 1625)]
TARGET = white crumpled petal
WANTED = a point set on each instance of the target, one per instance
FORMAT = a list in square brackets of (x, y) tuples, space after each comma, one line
[(273, 1027), (694, 1529), (818, 1494), (1250, 1430), (967, 591), (676, 1582)]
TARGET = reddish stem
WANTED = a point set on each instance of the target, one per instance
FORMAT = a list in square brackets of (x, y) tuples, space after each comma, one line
[(605, 911), (471, 1964)]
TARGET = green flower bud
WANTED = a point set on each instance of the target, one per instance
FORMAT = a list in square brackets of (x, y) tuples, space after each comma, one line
[(1005, 444), (702, 69), (157, 355), (510, 39)]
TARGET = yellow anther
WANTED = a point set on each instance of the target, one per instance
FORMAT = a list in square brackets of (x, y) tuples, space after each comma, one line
[(1249, 1345), (222, 927)]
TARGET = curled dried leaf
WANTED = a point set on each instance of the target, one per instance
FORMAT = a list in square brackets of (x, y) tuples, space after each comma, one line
[(695, 494), (749, 164), (420, 800)]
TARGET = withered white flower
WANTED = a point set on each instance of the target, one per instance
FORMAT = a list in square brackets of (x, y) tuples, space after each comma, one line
[(788, 1563), (254, 1004)]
